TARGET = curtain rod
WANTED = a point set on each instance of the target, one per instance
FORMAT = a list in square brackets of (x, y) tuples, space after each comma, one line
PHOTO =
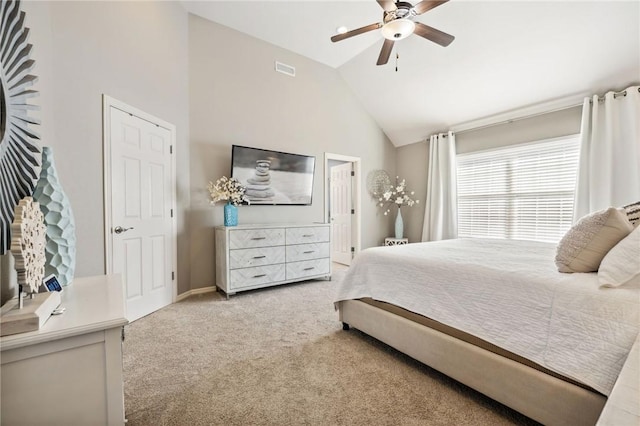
[(622, 93), (615, 95), (511, 120)]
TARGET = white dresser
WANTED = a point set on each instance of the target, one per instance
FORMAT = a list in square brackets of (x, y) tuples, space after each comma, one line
[(70, 371), (254, 256)]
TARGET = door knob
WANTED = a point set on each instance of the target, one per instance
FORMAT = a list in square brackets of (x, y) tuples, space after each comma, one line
[(120, 229)]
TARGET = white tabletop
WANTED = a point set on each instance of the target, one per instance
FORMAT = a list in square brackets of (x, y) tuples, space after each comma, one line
[(91, 304)]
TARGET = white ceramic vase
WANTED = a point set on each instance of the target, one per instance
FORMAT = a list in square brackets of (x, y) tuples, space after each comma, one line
[(399, 225)]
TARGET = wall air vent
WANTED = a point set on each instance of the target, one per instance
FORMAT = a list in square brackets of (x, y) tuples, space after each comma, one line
[(285, 69)]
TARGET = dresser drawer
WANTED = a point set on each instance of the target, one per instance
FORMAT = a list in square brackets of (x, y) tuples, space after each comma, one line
[(308, 234), (246, 258), (308, 268), (249, 238), (300, 252), (255, 256), (248, 277)]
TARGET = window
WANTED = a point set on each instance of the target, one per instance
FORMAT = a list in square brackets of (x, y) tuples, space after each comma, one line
[(521, 192)]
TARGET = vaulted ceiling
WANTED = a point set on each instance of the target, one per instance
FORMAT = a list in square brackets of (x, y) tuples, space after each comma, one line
[(506, 56)]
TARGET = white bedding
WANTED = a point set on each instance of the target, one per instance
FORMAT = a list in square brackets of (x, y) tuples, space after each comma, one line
[(508, 293)]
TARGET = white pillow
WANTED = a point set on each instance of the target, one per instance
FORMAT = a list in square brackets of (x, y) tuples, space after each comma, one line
[(587, 242), (621, 266)]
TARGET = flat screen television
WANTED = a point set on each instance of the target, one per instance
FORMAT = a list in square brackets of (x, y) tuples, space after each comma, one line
[(273, 177)]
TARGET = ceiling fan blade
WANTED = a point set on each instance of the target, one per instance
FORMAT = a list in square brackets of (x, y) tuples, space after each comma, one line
[(425, 5), (387, 5), (430, 33), (385, 52), (355, 32)]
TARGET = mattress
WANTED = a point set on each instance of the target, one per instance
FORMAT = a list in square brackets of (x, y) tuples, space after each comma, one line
[(507, 293)]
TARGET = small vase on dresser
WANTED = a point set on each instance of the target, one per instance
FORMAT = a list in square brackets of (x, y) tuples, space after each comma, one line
[(231, 191), (230, 215)]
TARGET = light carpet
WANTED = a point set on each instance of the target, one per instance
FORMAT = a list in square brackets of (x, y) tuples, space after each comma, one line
[(279, 356)]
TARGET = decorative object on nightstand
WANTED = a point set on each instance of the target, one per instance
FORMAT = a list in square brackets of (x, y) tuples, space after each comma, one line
[(27, 244), (60, 249), (28, 238), (231, 191), (395, 195), (391, 241)]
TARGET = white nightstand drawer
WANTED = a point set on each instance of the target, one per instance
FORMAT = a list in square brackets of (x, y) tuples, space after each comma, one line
[(309, 234), (308, 268), (248, 277), (300, 252), (246, 258), (249, 238)]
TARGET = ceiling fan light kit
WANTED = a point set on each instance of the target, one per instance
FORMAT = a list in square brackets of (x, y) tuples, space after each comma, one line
[(397, 24), (398, 29)]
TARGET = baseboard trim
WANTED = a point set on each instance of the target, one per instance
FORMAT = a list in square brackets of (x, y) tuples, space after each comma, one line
[(195, 291)]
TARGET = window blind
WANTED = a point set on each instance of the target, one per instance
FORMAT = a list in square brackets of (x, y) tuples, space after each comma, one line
[(521, 192)]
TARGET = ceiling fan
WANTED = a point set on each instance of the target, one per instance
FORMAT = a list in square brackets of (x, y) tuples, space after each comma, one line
[(398, 23)]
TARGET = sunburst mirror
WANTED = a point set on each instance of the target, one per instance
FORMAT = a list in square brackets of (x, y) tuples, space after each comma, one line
[(20, 152)]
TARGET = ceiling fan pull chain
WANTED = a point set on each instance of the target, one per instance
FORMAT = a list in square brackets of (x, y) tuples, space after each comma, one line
[(397, 56)]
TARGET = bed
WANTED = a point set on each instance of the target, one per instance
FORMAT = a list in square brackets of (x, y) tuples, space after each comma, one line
[(497, 316)]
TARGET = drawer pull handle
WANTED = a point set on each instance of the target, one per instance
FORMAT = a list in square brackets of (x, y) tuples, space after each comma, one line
[(308, 251), (259, 275), (259, 257), (308, 235), (310, 268), (259, 238)]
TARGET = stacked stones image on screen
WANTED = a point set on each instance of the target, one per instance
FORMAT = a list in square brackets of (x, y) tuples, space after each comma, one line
[(258, 188)]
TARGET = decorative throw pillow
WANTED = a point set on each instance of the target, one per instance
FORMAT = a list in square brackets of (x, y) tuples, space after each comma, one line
[(621, 266), (633, 213), (584, 245)]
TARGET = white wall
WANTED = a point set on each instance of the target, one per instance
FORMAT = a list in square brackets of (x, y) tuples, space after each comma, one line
[(135, 52), (413, 165), (236, 97), (560, 123)]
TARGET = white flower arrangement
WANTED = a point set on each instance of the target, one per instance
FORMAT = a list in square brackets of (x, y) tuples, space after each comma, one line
[(397, 195), (227, 189)]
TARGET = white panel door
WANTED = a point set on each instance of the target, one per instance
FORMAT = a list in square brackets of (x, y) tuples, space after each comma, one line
[(142, 197), (340, 213)]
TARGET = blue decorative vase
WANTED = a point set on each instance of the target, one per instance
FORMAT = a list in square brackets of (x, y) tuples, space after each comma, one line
[(399, 225), (60, 249), (230, 215)]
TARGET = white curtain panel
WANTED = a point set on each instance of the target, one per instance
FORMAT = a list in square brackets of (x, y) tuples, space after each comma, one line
[(609, 170), (441, 209)]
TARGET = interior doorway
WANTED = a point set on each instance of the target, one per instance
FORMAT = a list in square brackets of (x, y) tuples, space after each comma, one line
[(343, 205), (140, 198)]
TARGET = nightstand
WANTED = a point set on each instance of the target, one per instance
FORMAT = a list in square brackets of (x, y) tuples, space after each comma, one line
[(390, 241)]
